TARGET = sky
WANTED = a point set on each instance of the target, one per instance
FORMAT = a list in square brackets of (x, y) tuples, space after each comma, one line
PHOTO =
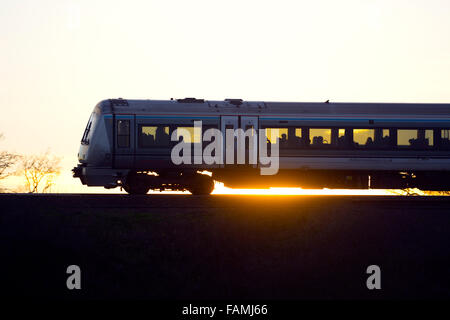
[(59, 58)]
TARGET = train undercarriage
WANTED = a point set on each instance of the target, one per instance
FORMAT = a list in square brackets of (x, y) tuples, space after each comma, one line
[(140, 182)]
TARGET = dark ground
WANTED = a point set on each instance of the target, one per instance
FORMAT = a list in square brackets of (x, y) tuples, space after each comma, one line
[(224, 247)]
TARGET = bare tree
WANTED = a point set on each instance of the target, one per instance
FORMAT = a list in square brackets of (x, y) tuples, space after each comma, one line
[(40, 171), (7, 161)]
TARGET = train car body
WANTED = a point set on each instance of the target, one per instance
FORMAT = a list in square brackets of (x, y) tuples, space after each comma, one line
[(335, 145)]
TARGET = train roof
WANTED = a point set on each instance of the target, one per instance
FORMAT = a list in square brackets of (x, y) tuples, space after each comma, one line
[(238, 106)]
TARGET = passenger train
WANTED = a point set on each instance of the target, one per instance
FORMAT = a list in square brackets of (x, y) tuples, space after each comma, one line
[(127, 144)]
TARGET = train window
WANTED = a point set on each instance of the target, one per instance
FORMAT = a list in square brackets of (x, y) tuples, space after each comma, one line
[(338, 137), (341, 134), (415, 138), (405, 137), (288, 138), (123, 133), (429, 137), (320, 137), (154, 136), (364, 137), (445, 138), (195, 134), (84, 139), (273, 133), (296, 138), (382, 138)]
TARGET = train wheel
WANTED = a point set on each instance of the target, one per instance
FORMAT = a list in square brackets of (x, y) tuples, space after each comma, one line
[(133, 189), (135, 184), (201, 185)]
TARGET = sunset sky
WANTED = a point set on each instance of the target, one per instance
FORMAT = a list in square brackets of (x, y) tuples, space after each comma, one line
[(59, 58)]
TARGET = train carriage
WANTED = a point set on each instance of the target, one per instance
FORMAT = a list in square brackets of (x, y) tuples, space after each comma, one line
[(128, 143)]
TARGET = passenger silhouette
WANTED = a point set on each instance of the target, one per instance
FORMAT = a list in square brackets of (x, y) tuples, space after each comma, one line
[(162, 138), (298, 141), (341, 141), (419, 143), (283, 141), (386, 141), (318, 141), (147, 139), (268, 147)]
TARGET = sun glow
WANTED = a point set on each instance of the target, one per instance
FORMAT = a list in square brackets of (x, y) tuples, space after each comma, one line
[(221, 189)]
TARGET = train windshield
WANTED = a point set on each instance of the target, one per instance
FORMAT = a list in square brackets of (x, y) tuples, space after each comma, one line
[(88, 130)]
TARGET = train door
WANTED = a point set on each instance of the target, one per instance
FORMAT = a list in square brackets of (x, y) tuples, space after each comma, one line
[(245, 123), (228, 122), (251, 149), (124, 141)]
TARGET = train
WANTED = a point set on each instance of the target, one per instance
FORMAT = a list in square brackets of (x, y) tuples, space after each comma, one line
[(129, 144)]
